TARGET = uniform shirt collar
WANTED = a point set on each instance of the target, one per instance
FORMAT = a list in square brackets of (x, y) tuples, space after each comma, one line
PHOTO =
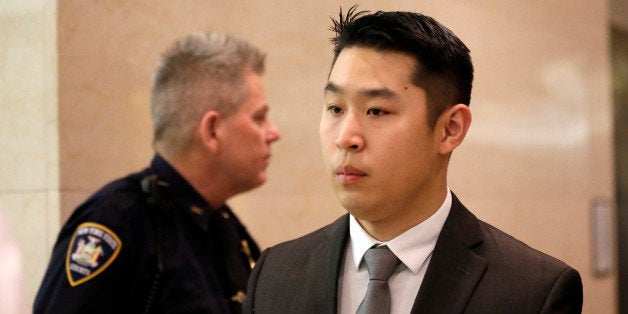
[(412, 247), (182, 193)]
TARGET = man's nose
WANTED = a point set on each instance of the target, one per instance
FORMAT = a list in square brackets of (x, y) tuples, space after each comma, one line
[(350, 134), (272, 133)]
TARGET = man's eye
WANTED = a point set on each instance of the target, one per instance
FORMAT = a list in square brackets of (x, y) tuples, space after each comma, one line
[(334, 109), (376, 112)]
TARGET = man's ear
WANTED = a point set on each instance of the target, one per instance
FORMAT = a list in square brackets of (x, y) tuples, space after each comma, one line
[(207, 130), (455, 123)]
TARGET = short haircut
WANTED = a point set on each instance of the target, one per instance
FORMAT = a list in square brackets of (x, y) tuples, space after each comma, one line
[(199, 73), (443, 63)]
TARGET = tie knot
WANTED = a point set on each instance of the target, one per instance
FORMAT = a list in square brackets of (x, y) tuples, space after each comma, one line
[(380, 262)]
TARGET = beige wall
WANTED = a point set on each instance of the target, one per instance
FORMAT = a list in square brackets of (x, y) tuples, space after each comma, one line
[(538, 151), (29, 167)]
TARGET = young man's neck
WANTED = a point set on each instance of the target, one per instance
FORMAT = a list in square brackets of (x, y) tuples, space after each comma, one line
[(387, 229)]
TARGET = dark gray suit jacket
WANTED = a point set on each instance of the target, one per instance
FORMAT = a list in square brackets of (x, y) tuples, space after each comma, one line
[(475, 268)]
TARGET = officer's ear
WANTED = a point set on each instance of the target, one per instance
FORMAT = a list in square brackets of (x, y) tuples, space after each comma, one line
[(207, 130)]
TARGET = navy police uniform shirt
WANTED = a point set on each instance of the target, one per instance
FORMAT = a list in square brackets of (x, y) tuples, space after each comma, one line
[(114, 255)]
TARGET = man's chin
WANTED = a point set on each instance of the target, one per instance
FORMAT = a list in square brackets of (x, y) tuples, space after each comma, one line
[(256, 183), (358, 208)]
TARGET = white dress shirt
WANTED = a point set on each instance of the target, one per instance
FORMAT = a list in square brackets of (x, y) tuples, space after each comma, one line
[(413, 247)]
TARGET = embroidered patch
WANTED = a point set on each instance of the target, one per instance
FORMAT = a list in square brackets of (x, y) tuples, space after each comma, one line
[(93, 247)]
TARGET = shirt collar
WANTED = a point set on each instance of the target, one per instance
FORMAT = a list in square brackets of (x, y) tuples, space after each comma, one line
[(184, 195), (412, 247)]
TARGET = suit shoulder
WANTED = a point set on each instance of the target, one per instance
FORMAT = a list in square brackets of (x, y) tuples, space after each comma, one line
[(542, 283), (499, 245), (311, 239)]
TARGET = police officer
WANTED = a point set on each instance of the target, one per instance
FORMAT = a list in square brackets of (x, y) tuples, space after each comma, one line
[(163, 240)]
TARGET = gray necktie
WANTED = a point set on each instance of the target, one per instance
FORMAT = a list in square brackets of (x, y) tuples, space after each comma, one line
[(381, 263)]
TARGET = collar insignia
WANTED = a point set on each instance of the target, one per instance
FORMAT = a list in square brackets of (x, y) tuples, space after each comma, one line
[(92, 249), (197, 210)]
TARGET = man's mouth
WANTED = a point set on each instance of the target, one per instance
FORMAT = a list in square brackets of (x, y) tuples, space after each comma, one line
[(348, 174)]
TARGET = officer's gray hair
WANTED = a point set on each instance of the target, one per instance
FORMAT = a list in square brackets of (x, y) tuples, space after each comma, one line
[(199, 73)]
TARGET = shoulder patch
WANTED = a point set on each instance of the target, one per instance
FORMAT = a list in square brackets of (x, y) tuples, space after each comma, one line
[(93, 248)]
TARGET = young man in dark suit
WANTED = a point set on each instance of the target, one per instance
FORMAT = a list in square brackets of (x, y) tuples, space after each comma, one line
[(396, 106)]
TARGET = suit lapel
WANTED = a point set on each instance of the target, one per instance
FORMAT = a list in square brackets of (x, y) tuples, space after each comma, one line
[(324, 268), (454, 269)]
